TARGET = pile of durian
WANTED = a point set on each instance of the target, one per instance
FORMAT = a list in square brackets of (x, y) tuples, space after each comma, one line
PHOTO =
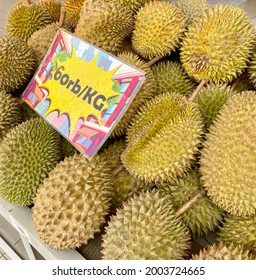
[(181, 163)]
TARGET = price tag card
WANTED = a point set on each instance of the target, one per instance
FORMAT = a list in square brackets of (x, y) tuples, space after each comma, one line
[(82, 91)]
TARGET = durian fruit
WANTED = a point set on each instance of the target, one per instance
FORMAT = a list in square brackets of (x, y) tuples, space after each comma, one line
[(158, 29), (40, 47), (163, 139), (145, 228), (10, 113), (71, 204), (171, 77), (252, 69), (202, 216), (242, 83), (72, 8), (145, 93), (133, 5), (23, 20), (68, 149), (211, 49), (220, 251), (125, 185), (16, 63), (27, 154), (239, 231), (228, 158), (52, 7), (26, 111), (210, 100), (193, 8), (105, 24)]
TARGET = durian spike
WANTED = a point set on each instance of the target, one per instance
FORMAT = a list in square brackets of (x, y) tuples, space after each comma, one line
[(191, 201), (62, 15), (197, 90), (117, 170), (153, 60), (27, 2)]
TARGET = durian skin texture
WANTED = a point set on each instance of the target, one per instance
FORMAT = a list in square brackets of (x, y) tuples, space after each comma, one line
[(72, 8), (22, 20), (28, 153), (71, 204), (218, 44), (220, 251), (10, 113), (163, 138), (16, 63), (105, 24), (252, 70), (134, 5), (52, 7), (228, 158), (158, 29), (145, 93), (145, 228), (239, 231)]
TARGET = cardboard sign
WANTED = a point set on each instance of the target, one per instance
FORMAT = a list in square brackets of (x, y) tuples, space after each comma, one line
[(82, 91)]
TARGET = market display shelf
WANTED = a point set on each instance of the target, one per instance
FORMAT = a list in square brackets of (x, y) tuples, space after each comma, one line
[(21, 220)]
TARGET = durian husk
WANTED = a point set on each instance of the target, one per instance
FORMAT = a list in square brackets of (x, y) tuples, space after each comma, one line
[(16, 63), (52, 7), (23, 20), (28, 152), (73, 9), (228, 157), (163, 139), (220, 251), (210, 49), (133, 5), (158, 29), (71, 204), (145, 228)]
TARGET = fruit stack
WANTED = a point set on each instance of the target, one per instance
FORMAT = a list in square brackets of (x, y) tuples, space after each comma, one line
[(180, 164)]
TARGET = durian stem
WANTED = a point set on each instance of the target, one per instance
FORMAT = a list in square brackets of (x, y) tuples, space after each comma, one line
[(153, 60), (27, 2), (196, 91), (117, 170), (185, 206), (62, 16)]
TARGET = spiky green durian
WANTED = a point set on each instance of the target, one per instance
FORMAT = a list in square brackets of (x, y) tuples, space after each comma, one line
[(27, 153), (145, 93), (202, 216), (71, 204), (192, 8), (210, 100), (105, 24), (73, 9), (228, 158), (67, 148), (219, 251), (211, 50), (16, 63), (10, 113), (40, 47), (145, 228), (158, 29), (23, 20), (171, 77), (27, 111), (133, 5), (163, 139), (52, 7), (239, 231), (252, 69)]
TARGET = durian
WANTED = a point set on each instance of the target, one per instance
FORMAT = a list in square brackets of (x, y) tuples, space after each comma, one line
[(145, 228), (158, 29), (228, 159), (16, 63), (23, 20), (218, 44), (221, 251), (192, 8), (145, 93), (171, 77), (52, 7), (105, 24), (27, 153), (210, 100), (71, 204), (239, 231), (252, 69), (163, 139), (242, 83), (10, 113), (202, 216), (72, 8), (133, 5)]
